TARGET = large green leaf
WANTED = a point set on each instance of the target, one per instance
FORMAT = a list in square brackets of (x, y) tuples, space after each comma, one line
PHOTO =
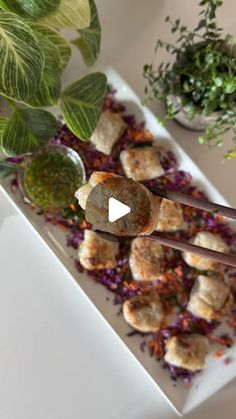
[(81, 104), (72, 14), (6, 168), (90, 38), (3, 123), (49, 89), (58, 41), (12, 6), (32, 8), (27, 130), (21, 58)]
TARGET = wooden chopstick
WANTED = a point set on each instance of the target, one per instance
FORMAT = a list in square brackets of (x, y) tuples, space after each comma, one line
[(194, 202), (192, 248), (202, 205)]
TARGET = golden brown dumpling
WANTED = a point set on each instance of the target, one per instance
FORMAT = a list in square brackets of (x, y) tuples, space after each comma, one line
[(96, 252), (210, 298), (170, 216), (141, 163), (145, 259), (144, 206), (210, 241), (83, 192), (187, 351), (144, 313), (108, 131)]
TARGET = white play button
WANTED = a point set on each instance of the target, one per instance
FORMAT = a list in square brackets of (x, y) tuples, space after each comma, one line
[(117, 210)]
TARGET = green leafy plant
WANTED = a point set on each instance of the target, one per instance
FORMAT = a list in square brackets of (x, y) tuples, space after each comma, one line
[(90, 38), (203, 74), (33, 56)]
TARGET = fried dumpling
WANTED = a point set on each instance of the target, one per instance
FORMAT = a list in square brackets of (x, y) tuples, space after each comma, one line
[(96, 252), (170, 216), (144, 313), (187, 351), (83, 192), (107, 132), (145, 259), (210, 298), (144, 206), (210, 241), (141, 163)]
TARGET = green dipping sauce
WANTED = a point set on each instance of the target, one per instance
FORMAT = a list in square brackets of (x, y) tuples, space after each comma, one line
[(51, 178)]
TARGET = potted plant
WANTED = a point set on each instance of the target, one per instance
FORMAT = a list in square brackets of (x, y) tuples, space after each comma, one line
[(33, 56), (199, 87)]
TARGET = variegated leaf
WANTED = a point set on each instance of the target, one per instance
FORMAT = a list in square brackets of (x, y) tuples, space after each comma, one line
[(90, 38), (32, 8), (71, 14), (49, 89), (81, 104), (3, 123), (27, 130), (57, 39), (12, 6), (21, 58)]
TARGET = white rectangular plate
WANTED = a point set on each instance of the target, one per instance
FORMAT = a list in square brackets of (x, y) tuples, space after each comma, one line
[(215, 375)]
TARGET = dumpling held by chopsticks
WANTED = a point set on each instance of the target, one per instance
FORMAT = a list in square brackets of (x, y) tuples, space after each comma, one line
[(144, 206)]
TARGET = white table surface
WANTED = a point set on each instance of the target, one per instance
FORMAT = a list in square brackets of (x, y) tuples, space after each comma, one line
[(30, 385)]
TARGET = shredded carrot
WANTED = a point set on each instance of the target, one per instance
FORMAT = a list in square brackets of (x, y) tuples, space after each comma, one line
[(179, 271), (72, 207), (185, 323), (224, 340), (164, 323), (84, 224), (138, 135), (156, 350), (218, 354), (62, 227)]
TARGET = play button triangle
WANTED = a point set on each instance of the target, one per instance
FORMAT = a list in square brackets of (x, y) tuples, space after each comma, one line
[(116, 210)]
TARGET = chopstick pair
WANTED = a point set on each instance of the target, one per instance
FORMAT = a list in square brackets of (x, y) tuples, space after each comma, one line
[(202, 205)]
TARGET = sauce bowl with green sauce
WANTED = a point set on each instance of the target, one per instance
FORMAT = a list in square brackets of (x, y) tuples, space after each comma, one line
[(51, 176)]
